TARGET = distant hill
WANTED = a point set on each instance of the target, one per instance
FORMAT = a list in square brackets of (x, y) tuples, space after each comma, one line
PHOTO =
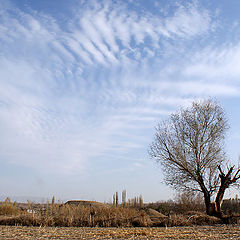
[(86, 203)]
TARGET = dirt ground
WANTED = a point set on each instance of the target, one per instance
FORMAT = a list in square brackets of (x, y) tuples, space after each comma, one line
[(197, 232)]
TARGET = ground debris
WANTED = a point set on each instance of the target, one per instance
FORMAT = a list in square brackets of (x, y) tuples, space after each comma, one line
[(195, 232)]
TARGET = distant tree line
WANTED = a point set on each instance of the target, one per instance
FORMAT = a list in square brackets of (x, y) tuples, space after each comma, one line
[(136, 202)]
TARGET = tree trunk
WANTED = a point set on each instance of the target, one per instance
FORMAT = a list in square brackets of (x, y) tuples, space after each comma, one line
[(225, 180), (211, 207), (215, 208), (218, 200), (207, 203), (207, 196)]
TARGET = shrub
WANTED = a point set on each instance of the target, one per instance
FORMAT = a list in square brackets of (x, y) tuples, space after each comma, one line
[(8, 208)]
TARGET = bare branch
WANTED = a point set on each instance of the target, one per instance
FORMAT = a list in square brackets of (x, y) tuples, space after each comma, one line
[(219, 167), (189, 146)]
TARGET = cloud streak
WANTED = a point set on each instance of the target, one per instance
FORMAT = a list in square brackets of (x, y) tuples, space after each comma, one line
[(70, 92)]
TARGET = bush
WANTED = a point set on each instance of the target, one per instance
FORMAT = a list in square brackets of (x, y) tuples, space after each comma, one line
[(8, 208)]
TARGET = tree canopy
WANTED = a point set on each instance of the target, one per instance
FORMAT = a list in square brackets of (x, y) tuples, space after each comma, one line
[(190, 148)]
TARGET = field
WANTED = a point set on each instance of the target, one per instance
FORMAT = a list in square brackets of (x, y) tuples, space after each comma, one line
[(195, 232), (93, 220)]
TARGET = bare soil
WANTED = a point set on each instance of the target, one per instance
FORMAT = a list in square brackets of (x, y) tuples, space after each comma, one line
[(195, 232)]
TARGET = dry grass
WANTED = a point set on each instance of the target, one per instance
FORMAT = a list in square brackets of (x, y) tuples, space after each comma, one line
[(60, 215), (8, 209), (198, 232), (76, 216)]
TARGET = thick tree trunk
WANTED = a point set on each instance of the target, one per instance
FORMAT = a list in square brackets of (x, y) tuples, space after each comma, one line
[(219, 198), (207, 203), (210, 209), (225, 180), (215, 209), (207, 196)]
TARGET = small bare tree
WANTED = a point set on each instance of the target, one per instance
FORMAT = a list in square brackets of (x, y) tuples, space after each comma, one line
[(189, 147), (124, 197), (116, 199)]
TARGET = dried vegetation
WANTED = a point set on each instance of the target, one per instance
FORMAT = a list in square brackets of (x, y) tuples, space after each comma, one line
[(197, 232), (96, 215)]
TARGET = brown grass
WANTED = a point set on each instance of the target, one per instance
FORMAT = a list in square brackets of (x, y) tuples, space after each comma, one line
[(8, 209), (75, 216), (65, 215)]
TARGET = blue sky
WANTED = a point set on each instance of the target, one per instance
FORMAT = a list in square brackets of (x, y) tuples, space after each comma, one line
[(84, 83)]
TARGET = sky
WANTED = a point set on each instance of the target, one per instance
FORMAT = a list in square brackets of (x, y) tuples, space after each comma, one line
[(83, 85)]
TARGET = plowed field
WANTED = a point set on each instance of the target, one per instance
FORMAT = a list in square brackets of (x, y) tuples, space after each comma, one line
[(197, 232)]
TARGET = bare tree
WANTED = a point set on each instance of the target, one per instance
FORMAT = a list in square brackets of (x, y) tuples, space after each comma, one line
[(124, 197), (116, 199), (190, 148)]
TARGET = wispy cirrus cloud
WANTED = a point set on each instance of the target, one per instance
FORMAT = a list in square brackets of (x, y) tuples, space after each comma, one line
[(219, 63), (109, 32), (69, 92)]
